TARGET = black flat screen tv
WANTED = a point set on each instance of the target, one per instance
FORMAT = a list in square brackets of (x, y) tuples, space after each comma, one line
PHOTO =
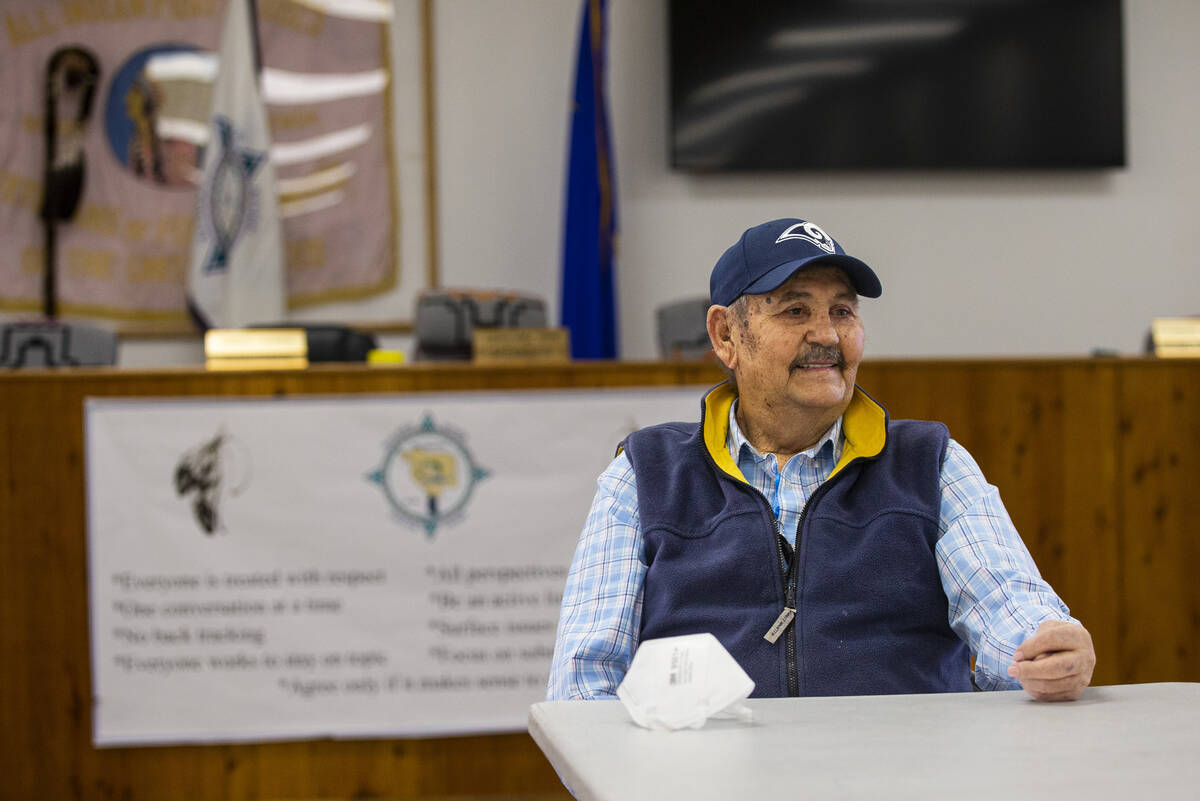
[(869, 84)]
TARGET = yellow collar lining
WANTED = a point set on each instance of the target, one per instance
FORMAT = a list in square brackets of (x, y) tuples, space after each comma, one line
[(864, 427)]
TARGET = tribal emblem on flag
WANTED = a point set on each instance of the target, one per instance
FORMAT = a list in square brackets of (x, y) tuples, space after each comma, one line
[(427, 475), (229, 199)]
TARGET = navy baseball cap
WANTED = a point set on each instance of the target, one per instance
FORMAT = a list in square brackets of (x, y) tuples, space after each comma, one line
[(769, 253)]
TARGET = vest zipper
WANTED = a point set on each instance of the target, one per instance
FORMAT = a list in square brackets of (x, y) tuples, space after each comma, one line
[(793, 589), (789, 571), (791, 594)]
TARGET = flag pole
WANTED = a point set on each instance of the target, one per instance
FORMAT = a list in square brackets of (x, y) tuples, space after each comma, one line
[(252, 6)]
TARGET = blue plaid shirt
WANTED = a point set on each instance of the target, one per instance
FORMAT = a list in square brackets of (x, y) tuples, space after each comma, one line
[(996, 596)]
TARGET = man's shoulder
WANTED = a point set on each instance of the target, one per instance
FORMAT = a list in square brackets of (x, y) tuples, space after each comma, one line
[(659, 437), (909, 438), (667, 430), (918, 428)]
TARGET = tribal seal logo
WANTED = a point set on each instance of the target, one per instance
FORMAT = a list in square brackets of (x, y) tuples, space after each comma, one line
[(427, 474), (210, 471), (154, 118), (228, 198)]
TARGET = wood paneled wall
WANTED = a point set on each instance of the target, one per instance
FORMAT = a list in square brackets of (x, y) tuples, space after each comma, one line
[(1098, 462)]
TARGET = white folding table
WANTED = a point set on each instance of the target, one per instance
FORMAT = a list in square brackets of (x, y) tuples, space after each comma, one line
[(1137, 741)]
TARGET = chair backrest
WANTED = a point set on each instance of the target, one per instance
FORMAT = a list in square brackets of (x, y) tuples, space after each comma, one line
[(56, 344), (682, 329), (446, 319)]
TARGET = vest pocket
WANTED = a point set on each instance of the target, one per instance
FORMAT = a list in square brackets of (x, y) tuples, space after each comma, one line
[(704, 528)]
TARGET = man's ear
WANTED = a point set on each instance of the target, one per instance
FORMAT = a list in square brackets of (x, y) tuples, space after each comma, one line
[(720, 333)]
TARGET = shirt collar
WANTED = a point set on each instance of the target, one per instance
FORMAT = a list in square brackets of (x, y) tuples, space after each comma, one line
[(738, 444)]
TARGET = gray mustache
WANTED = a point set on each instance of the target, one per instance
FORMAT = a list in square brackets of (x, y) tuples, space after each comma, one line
[(819, 354)]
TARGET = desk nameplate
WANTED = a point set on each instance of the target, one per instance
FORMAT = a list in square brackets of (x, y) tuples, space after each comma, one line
[(508, 345), (1176, 337)]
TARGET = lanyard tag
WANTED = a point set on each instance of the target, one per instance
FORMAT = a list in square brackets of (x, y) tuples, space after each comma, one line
[(781, 623)]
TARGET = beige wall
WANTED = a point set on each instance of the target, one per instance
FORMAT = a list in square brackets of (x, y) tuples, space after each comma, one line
[(973, 263)]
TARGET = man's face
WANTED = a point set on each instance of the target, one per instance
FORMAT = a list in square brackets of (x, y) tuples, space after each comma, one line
[(798, 346)]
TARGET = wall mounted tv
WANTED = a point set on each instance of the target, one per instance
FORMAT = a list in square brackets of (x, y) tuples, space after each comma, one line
[(867, 84)]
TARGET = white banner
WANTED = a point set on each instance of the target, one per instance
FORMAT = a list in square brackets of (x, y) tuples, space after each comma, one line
[(341, 567)]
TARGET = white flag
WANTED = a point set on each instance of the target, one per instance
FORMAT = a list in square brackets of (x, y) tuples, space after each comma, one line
[(236, 274)]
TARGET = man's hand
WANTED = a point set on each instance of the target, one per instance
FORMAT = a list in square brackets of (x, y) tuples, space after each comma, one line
[(1056, 663)]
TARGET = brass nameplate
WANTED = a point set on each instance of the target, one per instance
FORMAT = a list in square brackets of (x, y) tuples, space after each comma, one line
[(1176, 337), (256, 349), (501, 345)]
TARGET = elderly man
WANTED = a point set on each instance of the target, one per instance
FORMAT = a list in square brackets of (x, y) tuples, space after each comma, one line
[(831, 550)]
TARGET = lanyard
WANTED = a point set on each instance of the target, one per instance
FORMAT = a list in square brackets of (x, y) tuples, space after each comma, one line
[(775, 504)]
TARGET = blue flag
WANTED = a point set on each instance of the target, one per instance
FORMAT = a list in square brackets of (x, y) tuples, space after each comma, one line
[(588, 306)]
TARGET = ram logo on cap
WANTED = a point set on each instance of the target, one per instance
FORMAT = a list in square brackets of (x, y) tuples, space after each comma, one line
[(810, 232)]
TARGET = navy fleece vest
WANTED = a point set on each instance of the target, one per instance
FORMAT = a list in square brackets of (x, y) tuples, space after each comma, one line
[(871, 614)]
